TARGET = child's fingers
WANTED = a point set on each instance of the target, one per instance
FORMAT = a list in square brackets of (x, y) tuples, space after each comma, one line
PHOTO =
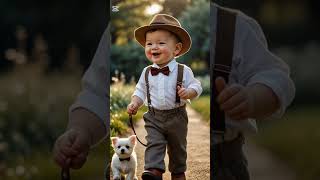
[(181, 90), (238, 110), (67, 151), (233, 101), (60, 159), (78, 161), (220, 84), (227, 93), (184, 94)]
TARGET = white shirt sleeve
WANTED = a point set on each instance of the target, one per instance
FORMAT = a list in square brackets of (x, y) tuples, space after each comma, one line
[(191, 81), (94, 95), (141, 89), (258, 65)]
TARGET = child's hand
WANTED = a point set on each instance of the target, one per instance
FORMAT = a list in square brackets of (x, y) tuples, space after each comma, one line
[(71, 149), (132, 108), (183, 92), (234, 100)]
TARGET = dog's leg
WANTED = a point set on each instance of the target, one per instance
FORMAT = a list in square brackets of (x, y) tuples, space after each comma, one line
[(116, 173), (132, 175)]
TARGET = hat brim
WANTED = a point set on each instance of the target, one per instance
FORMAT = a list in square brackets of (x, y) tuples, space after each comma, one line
[(140, 35)]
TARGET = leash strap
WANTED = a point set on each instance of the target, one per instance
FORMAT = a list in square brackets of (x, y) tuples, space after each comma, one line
[(131, 123), (65, 174)]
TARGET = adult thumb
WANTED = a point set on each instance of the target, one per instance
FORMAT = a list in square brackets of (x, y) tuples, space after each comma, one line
[(220, 84)]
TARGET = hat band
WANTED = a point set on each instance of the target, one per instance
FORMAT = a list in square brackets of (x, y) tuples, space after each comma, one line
[(158, 23)]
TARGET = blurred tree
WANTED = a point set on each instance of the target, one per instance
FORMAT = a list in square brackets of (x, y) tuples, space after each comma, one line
[(175, 8), (131, 15), (195, 19), (62, 24), (128, 59)]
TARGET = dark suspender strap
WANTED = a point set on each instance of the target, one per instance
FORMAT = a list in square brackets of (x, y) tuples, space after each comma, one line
[(146, 75), (179, 81), (222, 63)]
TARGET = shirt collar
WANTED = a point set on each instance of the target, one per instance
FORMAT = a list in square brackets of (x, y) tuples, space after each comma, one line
[(172, 64)]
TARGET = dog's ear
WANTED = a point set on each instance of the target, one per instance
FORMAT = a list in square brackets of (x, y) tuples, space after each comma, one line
[(133, 139), (114, 140)]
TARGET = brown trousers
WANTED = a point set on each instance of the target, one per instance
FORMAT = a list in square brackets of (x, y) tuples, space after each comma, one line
[(166, 129), (229, 162)]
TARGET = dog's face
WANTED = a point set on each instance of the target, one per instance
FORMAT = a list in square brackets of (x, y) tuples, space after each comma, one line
[(123, 147)]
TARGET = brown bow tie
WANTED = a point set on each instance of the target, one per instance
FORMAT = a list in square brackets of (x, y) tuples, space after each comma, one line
[(156, 71)]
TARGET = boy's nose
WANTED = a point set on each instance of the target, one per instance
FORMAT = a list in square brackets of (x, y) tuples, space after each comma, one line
[(154, 46)]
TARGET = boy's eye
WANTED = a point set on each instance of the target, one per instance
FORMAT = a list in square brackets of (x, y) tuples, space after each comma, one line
[(127, 147), (149, 44), (119, 147), (162, 43)]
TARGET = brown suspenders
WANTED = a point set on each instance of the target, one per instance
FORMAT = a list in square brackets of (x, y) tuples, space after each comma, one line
[(179, 83), (221, 64)]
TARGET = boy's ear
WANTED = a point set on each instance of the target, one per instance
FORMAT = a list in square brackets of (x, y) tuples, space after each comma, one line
[(133, 139), (114, 140), (178, 48)]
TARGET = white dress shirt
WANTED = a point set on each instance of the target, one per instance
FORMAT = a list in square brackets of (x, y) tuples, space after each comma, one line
[(163, 88), (94, 95), (253, 63)]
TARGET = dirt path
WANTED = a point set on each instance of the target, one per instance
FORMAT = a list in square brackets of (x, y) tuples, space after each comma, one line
[(198, 148), (264, 166)]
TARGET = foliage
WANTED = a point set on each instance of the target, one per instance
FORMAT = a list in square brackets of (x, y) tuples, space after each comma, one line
[(33, 113), (202, 106), (295, 139), (205, 84), (129, 59), (195, 19), (130, 16)]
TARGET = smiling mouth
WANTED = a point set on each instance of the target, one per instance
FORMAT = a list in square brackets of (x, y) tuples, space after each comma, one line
[(155, 54)]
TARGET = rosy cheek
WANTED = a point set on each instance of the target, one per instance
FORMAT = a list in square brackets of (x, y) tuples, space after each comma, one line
[(148, 53), (165, 51)]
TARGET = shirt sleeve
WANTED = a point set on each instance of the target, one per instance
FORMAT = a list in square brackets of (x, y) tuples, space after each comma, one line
[(94, 95), (258, 65), (141, 89), (191, 82)]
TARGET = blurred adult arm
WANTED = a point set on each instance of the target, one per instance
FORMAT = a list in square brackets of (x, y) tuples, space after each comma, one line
[(89, 115)]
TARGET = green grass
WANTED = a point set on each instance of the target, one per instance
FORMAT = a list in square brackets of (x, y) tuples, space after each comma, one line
[(202, 105), (40, 165), (295, 140)]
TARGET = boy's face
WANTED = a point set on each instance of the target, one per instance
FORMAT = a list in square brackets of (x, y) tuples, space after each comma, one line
[(161, 47)]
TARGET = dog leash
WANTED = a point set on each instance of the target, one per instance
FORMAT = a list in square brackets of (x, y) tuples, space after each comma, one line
[(65, 174), (130, 118)]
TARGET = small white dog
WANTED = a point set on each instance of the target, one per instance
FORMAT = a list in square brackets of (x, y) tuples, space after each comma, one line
[(124, 160)]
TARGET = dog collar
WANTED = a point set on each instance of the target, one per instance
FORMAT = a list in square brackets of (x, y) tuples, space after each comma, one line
[(124, 159)]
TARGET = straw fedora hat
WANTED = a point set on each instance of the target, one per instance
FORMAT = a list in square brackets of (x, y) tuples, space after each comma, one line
[(166, 22)]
